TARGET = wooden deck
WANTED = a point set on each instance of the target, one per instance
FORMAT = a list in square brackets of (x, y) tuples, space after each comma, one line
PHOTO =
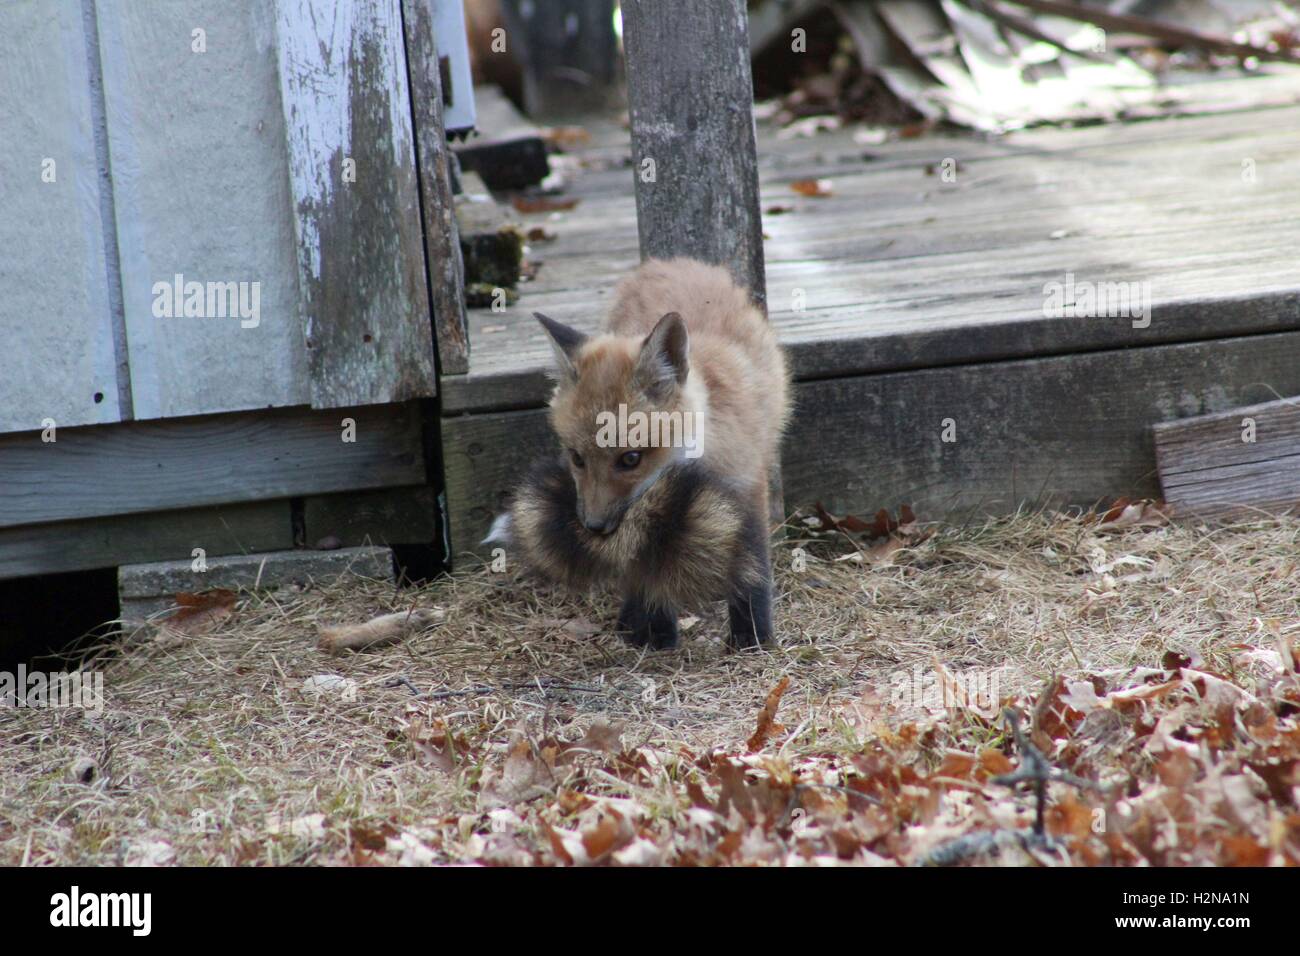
[(924, 300)]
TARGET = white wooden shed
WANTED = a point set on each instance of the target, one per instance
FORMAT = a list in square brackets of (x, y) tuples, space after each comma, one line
[(226, 244)]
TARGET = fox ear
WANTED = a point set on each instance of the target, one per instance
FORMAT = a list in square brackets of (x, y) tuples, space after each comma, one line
[(663, 363), (565, 341)]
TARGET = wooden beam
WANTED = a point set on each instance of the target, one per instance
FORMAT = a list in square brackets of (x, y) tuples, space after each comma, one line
[(1234, 462), (1072, 429), (387, 516), (364, 294), (441, 239), (133, 539), (483, 458), (695, 164), (1068, 430), (136, 467)]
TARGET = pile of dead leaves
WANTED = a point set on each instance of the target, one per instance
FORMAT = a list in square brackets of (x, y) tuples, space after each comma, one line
[(1176, 765), (876, 541)]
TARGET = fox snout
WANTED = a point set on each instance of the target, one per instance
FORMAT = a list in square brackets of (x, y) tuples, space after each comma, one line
[(599, 520)]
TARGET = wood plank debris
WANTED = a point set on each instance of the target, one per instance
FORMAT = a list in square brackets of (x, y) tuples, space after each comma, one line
[(997, 65), (508, 152), (491, 243), (1233, 462)]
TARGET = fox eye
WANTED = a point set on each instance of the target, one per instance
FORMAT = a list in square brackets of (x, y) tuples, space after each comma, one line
[(577, 459), (629, 460)]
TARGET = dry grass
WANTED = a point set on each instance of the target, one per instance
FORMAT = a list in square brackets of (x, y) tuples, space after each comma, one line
[(216, 747)]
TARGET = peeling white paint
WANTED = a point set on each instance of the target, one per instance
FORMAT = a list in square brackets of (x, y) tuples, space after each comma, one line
[(319, 44)]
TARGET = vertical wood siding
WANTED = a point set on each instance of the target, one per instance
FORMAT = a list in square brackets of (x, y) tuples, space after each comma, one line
[(201, 190), (56, 319), (343, 82)]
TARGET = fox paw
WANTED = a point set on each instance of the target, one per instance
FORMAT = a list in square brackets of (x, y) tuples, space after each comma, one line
[(642, 627)]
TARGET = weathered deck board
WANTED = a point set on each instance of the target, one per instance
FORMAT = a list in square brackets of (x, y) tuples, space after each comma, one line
[(1236, 461), (213, 459), (902, 270), (1073, 429)]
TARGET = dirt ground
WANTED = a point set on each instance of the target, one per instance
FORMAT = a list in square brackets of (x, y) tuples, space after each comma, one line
[(1153, 668)]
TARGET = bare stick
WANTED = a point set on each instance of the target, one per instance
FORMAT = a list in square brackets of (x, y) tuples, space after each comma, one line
[(385, 629)]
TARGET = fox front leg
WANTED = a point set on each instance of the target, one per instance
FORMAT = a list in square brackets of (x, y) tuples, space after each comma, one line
[(645, 626), (750, 606)]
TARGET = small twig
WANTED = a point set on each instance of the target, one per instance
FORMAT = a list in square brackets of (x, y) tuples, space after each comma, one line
[(1035, 768), (403, 681), (963, 848), (384, 629)]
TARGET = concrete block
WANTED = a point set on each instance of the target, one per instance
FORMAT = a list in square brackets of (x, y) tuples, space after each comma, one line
[(146, 590)]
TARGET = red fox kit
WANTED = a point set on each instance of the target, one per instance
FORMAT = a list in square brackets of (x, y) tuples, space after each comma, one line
[(670, 421)]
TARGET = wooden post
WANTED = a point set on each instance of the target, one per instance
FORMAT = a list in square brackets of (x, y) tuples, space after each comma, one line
[(695, 163), (441, 239), (694, 156), (568, 52)]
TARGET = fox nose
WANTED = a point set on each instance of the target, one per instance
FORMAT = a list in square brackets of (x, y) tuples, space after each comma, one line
[(598, 525)]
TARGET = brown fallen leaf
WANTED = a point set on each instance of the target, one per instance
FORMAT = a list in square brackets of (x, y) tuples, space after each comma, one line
[(913, 130), (602, 736), (882, 525), (610, 833), (1125, 513), (849, 523), (557, 843), (813, 188), (536, 204), (384, 629), (201, 611), (565, 137), (523, 777), (767, 724), (438, 746)]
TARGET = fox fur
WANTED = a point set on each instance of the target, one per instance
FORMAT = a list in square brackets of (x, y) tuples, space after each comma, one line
[(669, 526)]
